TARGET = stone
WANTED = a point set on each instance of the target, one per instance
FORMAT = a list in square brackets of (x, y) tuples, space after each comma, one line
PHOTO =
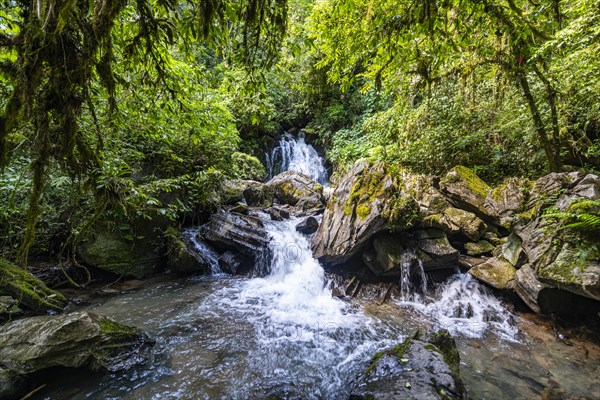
[(130, 257), (441, 253), (31, 292), (496, 273), (369, 200), (513, 252), (414, 369), (76, 340), (483, 247), (232, 190), (506, 200), (278, 214), (229, 231), (181, 258), (230, 262), (297, 190), (454, 221), (308, 226), (8, 307), (465, 190), (528, 287), (240, 208), (259, 195), (468, 262)]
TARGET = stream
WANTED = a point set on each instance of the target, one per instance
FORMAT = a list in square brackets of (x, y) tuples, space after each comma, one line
[(284, 336)]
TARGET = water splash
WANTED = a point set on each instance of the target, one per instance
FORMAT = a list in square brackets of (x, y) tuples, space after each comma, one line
[(293, 154), (190, 237)]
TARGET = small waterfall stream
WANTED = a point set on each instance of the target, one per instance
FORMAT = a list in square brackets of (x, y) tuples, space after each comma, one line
[(294, 154)]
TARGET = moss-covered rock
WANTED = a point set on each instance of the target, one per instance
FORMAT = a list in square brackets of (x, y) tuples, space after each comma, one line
[(77, 340), (463, 188), (508, 199), (495, 272), (27, 289), (414, 369), (298, 190), (480, 248), (259, 194), (122, 255), (454, 221), (181, 258)]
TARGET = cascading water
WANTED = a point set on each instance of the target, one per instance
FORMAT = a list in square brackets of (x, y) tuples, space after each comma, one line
[(293, 154), (190, 236)]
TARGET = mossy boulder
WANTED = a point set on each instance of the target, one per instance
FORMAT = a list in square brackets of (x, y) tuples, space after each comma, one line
[(259, 195), (110, 250), (298, 190), (28, 290), (495, 272), (77, 340), (513, 252), (508, 199), (182, 258), (465, 190), (480, 248), (371, 198), (454, 221), (414, 369)]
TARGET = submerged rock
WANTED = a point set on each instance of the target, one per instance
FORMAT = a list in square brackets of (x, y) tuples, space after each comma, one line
[(415, 370), (31, 292), (77, 340), (308, 225), (229, 231)]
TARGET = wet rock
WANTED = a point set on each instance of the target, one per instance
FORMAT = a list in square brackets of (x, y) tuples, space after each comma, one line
[(278, 214), (463, 188), (232, 191), (258, 195), (497, 273), (441, 253), (468, 262), (483, 247), (297, 190), (308, 226), (230, 262), (181, 258), (77, 340), (369, 200), (31, 292), (414, 369), (508, 199), (131, 257), (240, 208), (528, 287), (230, 231), (513, 252), (8, 307)]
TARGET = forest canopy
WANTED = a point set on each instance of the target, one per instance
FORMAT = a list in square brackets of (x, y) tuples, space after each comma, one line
[(105, 106)]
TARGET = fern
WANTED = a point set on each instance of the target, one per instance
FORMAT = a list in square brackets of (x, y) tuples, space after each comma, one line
[(582, 215)]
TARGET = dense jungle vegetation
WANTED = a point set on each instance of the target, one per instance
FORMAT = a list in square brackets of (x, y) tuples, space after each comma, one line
[(129, 110)]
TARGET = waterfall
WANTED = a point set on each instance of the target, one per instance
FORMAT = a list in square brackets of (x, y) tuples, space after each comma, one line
[(293, 154), (190, 236)]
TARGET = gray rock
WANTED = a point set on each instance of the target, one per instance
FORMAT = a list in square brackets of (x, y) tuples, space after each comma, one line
[(230, 231), (483, 247), (497, 273), (278, 214), (463, 188), (368, 200), (508, 199), (230, 262), (297, 190), (308, 226), (441, 253), (240, 208), (181, 257), (468, 262), (77, 340), (513, 252), (528, 287), (258, 194), (454, 221), (415, 370)]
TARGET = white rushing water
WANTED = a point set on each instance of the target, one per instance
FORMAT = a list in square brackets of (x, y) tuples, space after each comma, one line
[(190, 236), (294, 154)]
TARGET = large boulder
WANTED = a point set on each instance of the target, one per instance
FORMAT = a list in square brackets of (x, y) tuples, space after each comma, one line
[(465, 190), (308, 225), (369, 199), (297, 190), (230, 231), (414, 369), (508, 199), (31, 292), (455, 221), (77, 340), (259, 194), (495, 272), (120, 254)]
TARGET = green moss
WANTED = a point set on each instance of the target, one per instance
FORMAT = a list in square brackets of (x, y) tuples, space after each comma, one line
[(473, 181), (398, 351), (363, 211), (27, 289), (110, 327)]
